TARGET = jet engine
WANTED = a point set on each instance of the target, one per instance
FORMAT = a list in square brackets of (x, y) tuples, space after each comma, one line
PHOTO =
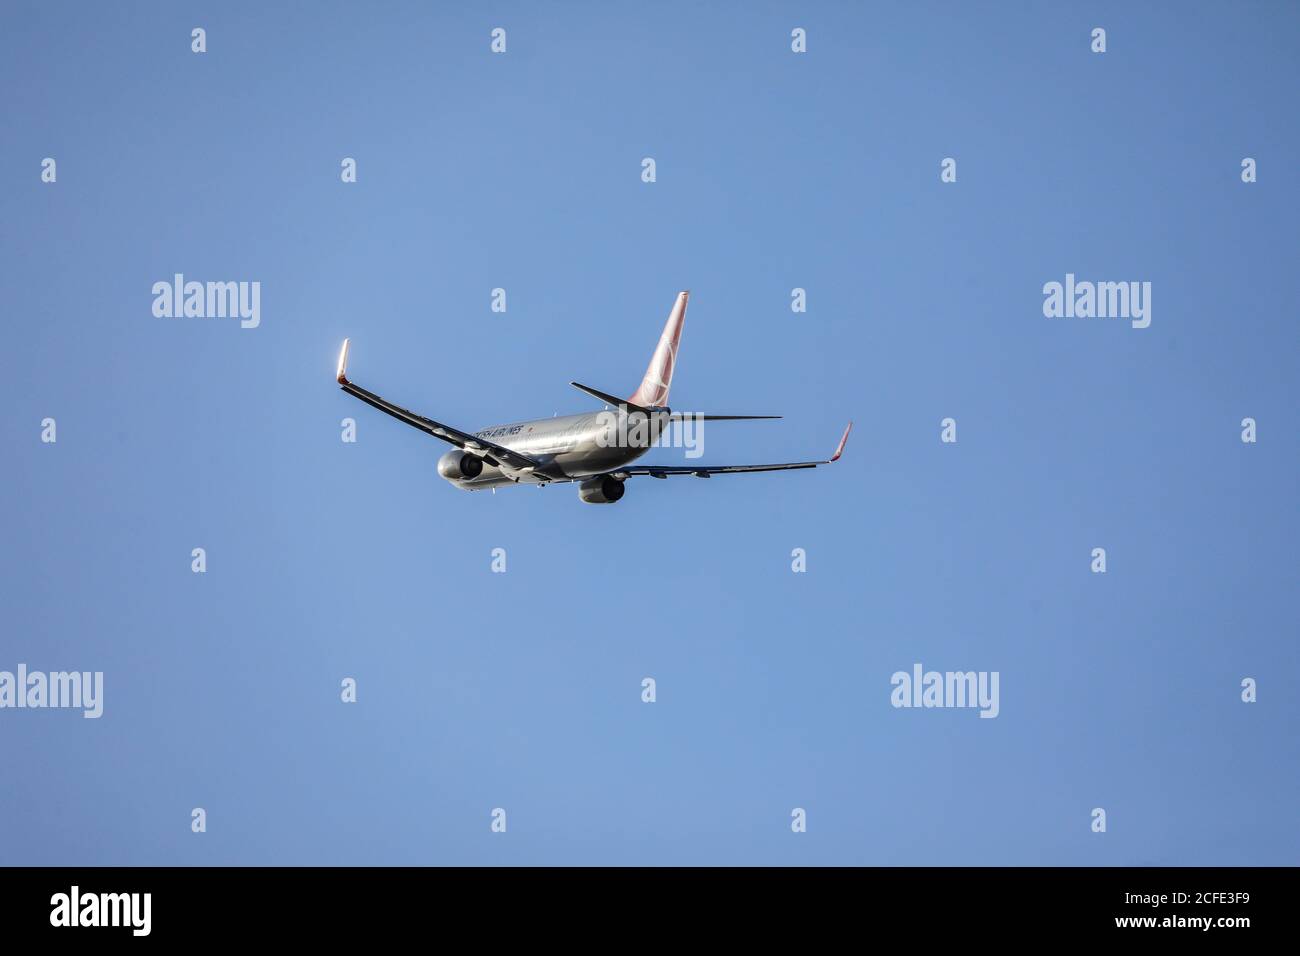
[(458, 465), (604, 490)]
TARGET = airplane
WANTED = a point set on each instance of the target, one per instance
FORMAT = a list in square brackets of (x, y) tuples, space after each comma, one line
[(595, 449)]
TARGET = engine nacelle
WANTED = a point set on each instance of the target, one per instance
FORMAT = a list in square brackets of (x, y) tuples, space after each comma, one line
[(458, 465), (604, 490)]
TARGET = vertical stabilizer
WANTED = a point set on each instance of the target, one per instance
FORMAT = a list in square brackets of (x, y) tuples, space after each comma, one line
[(659, 373)]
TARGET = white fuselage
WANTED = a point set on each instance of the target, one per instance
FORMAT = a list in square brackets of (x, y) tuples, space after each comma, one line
[(568, 446)]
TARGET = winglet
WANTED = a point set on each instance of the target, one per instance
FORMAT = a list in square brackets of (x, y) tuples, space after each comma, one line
[(343, 363), (839, 450)]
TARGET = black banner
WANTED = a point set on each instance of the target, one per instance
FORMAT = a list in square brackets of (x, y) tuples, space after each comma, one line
[(371, 904)]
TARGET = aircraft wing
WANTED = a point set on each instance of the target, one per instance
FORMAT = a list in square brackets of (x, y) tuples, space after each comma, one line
[(705, 471), (490, 452)]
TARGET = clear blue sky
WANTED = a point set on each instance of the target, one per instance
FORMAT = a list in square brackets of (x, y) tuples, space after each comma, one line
[(522, 690)]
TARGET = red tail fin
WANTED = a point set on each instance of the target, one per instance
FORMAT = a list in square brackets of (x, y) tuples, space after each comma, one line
[(659, 373)]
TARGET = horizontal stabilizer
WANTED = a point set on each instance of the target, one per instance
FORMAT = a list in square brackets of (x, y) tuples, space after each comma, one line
[(678, 416), (607, 398), (614, 400)]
